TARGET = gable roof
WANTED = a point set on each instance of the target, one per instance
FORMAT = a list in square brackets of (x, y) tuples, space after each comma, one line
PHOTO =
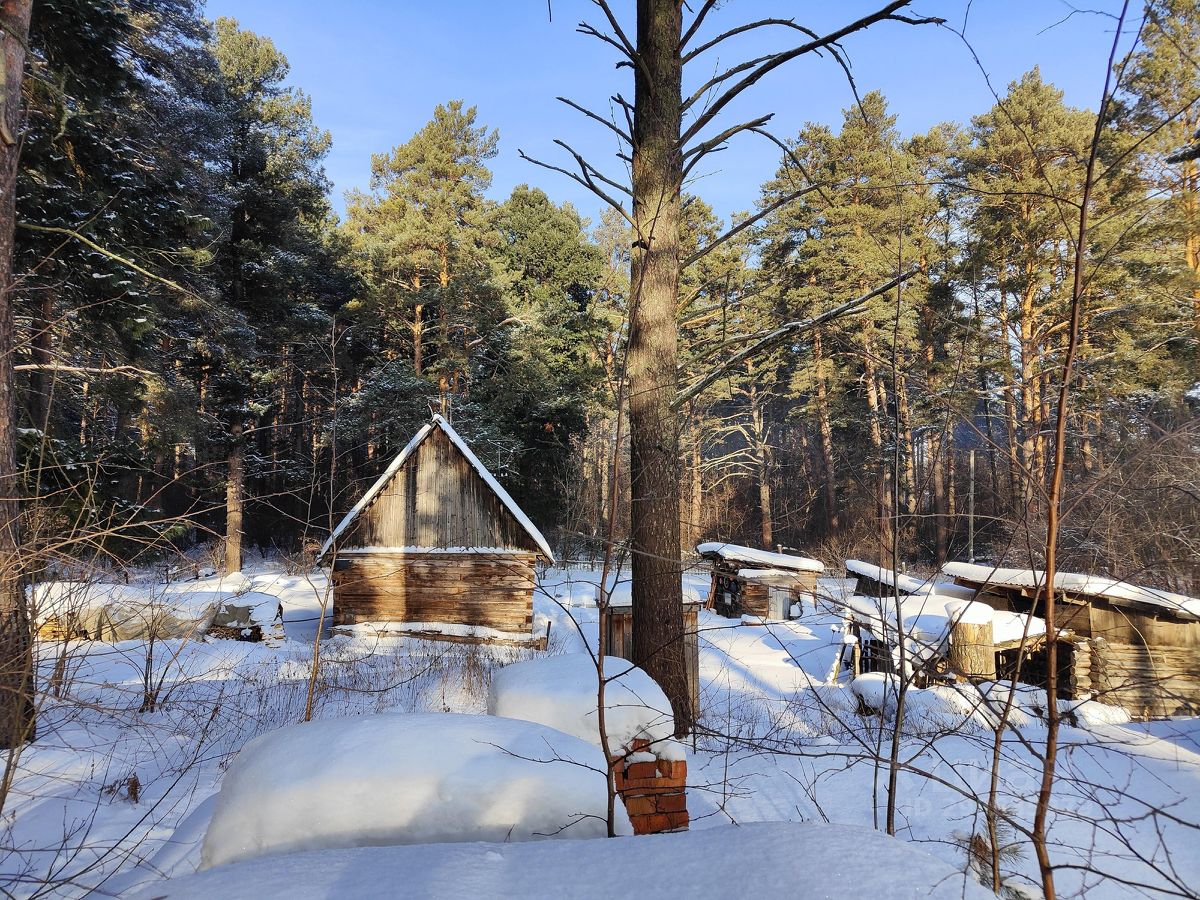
[(398, 463)]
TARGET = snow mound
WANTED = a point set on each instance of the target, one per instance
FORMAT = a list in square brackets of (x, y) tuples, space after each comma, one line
[(878, 691), (560, 692), (806, 861), (407, 779)]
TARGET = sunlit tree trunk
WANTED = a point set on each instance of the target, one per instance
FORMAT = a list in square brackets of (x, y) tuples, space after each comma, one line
[(17, 719), (234, 502), (653, 351)]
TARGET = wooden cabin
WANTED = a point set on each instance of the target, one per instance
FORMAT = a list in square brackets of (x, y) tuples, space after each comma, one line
[(747, 581), (1132, 646), (617, 622), (436, 547)]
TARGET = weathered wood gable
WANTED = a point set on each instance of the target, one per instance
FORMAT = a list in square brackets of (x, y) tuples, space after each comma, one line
[(437, 499)]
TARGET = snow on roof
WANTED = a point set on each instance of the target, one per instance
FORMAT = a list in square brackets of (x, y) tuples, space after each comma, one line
[(438, 422), (734, 553), (906, 584), (1088, 585)]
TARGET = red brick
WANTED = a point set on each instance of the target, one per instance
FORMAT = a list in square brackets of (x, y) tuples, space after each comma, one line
[(677, 819), (671, 803), (649, 786), (656, 823), (640, 770), (640, 745), (673, 768), (641, 806)]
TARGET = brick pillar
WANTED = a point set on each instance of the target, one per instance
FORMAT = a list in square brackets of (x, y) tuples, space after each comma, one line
[(654, 790)]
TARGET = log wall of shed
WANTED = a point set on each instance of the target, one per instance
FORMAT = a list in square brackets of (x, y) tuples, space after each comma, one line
[(1142, 659), (478, 589), (437, 499)]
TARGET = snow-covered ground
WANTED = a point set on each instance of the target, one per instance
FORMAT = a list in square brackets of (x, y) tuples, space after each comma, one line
[(118, 792), (760, 860)]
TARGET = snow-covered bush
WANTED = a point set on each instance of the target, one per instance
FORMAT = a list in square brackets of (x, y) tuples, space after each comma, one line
[(561, 692), (406, 779)]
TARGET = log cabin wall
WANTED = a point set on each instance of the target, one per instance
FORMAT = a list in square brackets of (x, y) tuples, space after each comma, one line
[(480, 589), (1144, 660), (1148, 663)]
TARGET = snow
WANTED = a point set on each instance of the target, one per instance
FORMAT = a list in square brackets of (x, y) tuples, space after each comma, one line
[(781, 740), (927, 619), (561, 692), (734, 553), (1089, 585), (406, 779), (430, 551), (906, 584), (877, 690), (128, 611), (397, 463), (969, 612), (1011, 626), (385, 628), (805, 861)]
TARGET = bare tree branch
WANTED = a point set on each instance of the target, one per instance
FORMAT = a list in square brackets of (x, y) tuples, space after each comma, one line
[(585, 182), (774, 61), (782, 333), (128, 263), (741, 29), (597, 117), (747, 222), (696, 23)]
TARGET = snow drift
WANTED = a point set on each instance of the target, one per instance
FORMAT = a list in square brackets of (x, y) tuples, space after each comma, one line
[(407, 779), (805, 861), (561, 692)]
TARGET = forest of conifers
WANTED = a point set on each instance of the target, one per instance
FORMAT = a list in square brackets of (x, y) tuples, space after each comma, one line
[(201, 341)]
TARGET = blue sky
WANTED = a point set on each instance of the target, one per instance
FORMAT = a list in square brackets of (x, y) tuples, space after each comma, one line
[(376, 68)]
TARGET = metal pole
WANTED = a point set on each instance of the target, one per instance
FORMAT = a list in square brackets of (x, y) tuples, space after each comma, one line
[(971, 509)]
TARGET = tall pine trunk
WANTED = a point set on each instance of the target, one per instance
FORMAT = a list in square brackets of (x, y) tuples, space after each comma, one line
[(234, 502), (825, 433), (653, 350), (17, 715)]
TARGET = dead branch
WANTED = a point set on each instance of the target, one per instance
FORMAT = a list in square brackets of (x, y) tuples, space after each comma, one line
[(782, 333), (746, 223), (776, 60)]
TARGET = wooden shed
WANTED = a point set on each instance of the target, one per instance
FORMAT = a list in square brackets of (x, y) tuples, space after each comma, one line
[(436, 547), (747, 581), (617, 622), (1133, 646)]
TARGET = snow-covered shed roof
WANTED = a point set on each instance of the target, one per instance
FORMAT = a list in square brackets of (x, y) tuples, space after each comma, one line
[(906, 584), (1087, 585), (398, 463), (761, 558)]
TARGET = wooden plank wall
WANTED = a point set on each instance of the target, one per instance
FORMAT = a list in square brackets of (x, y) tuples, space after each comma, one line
[(618, 624), (750, 598), (437, 500), (490, 590), (1141, 659)]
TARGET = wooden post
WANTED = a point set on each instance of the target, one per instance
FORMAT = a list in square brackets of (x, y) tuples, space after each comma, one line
[(972, 652)]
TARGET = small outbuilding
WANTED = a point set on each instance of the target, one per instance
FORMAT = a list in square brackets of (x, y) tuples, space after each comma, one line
[(436, 547), (1133, 646), (748, 581)]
